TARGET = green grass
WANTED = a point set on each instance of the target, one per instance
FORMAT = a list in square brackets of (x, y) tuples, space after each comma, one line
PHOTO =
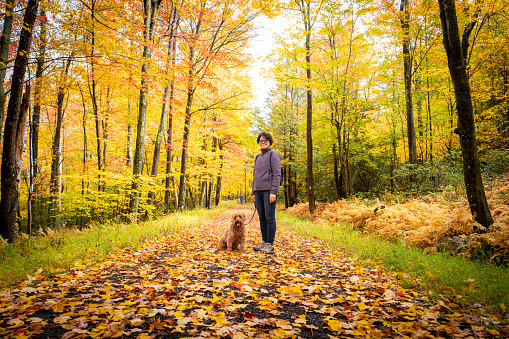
[(463, 281), (58, 251)]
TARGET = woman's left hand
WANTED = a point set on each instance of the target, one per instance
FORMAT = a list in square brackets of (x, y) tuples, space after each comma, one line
[(272, 198)]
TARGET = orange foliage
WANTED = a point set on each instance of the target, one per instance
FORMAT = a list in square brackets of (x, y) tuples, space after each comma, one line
[(421, 222)]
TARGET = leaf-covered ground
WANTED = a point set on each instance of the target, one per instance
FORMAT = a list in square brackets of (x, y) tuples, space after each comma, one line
[(181, 286)]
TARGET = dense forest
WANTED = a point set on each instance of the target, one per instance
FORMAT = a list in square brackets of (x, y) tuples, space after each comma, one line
[(128, 110)]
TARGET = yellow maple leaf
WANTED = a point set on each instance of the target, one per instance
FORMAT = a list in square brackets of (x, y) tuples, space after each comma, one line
[(179, 314), (334, 325), (220, 320), (362, 306), (215, 299)]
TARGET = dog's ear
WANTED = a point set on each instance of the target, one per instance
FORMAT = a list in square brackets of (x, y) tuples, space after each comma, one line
[(243, 216)]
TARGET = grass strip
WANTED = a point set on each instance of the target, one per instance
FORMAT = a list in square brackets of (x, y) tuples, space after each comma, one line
[(439, 274), (57, 251)]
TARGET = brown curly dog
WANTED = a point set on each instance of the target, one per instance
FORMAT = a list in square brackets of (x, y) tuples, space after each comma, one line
[(234, 238)]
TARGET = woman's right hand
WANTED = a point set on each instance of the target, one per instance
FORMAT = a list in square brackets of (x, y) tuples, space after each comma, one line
[(253, 197)]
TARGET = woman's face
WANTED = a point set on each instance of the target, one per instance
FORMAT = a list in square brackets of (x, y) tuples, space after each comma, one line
[(264, 143)]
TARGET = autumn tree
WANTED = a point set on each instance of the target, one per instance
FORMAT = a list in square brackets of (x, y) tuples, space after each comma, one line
[(214, 38), (14, 126), (308, 18), (456, 47), (36, 116), (56, 148), (407, 63), (150, 14), (168, 106), (343, 60)]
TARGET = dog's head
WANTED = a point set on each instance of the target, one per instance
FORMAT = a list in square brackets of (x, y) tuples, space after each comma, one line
[(238, 220)]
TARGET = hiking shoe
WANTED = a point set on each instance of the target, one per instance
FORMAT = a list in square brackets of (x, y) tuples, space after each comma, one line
[(268, 248), (259, 247)]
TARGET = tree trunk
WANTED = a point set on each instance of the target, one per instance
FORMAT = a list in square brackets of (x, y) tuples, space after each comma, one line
[(292, 175), (219, 177), (30, 177), (150, 7), (203, 191), (56, 149), (20, 138), (466, 124), (9, 203), (185, 151), (5, 42), (85, 152), (129, 148), (35, 121), (335, 160), (211, 182), (187, 121), (93, 96), (170, 183), (105, 136), (407, 63), (309, 112), (166, 100), (36, 117)]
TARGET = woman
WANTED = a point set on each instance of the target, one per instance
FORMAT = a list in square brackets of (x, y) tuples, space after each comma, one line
[(266, 182)]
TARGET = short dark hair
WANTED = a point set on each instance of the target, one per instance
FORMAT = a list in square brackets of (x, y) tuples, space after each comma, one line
[(266, 135)]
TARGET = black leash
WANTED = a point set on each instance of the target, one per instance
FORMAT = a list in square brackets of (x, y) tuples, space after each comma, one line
[(247, 223)]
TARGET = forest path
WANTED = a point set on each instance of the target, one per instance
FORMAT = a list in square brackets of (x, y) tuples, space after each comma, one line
[(181, 286)]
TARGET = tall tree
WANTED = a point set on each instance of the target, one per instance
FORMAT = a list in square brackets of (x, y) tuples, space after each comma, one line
[(56, 148), (168, 95), (150, 14), (92, 86), (407, 65), (9, 203), (304, 8), (170, 183), (455, 48), (36, 117), (215, 38), (191, 88)]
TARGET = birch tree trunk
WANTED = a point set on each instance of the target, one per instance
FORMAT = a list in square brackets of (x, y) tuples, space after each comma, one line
[(466, 124), (9, 203)]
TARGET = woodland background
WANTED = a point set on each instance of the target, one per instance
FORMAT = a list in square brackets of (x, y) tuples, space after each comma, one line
[(141, 108)]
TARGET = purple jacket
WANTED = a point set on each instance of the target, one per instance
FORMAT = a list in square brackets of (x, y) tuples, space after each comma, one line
[(267, 171)]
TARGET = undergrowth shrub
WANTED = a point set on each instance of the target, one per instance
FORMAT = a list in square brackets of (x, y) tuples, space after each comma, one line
[(495, 162), (428, 222), (430, 177)]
